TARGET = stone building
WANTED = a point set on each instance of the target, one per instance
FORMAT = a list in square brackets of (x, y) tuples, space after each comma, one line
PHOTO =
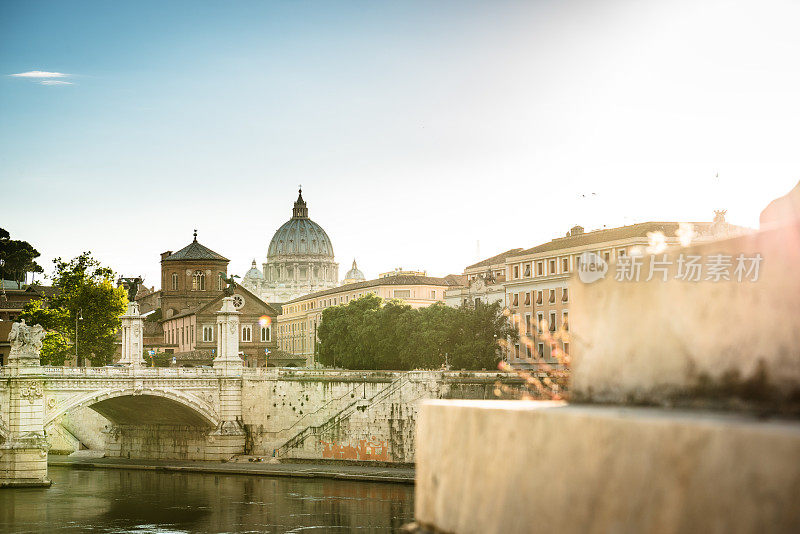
[(484, 282), (191, 294), (297, 324), (299, 260), (534, 284)]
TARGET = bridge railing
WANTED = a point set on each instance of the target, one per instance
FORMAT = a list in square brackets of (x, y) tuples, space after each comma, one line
[(155, 372)]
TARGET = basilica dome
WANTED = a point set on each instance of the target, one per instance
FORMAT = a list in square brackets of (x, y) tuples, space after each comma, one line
[(300, 236)]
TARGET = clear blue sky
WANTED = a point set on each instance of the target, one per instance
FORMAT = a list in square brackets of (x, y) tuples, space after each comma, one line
[(416, 128)]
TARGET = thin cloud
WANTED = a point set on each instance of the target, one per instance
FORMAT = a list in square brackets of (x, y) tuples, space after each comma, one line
[(40, 74), (54, 82)]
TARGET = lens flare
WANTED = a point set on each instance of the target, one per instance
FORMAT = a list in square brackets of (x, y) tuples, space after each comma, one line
[(265, 320)]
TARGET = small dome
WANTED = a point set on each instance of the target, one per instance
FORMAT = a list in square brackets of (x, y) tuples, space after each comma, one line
[(300, 236), (354, 274), (254, 273)]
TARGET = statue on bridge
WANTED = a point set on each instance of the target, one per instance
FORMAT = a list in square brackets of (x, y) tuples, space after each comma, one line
[(132, 285), (228, 290), (26, 341)]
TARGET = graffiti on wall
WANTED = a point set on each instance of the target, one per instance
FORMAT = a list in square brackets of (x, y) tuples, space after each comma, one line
[(365, 450)]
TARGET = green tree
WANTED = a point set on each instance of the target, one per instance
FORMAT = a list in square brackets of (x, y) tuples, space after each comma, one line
[(475, 336), (17, 258), (86, 292), (369, 333)]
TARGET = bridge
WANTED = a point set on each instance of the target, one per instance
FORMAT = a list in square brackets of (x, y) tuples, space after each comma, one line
[(153, 411)]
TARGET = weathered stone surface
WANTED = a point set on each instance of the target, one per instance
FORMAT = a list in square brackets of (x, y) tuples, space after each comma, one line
[(724, 344), (505, 467), (350, 415)]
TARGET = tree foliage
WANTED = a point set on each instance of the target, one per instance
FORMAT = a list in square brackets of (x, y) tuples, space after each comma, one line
[(17, 258), (369, 333), (86, 292)]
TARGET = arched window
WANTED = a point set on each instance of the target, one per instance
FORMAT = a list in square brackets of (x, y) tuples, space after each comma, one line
[(220, 284), (174, 281), (198, 281)]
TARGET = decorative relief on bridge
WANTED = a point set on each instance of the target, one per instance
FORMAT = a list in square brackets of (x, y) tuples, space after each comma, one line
[(31, 391)]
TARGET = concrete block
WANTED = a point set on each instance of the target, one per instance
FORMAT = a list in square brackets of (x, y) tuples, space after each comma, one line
[(725, 344), (510, 466)]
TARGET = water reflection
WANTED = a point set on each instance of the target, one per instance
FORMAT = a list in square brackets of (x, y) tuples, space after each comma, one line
[(111, 500)]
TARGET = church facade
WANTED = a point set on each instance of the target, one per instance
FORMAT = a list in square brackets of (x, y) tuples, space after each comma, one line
[(300, 260)]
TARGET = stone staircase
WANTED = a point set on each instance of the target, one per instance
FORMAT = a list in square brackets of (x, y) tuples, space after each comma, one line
[(342, 415)]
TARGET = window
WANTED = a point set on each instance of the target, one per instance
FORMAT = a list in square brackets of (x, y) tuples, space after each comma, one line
[(528, 352), (552, 321), (565, 294), (402, 293), (515, 299), (621, 253), (182, 336), (247, 332), (538, 297), (540, 349), (540, 320), (528, 323), (527, 299), (220, 284), (516, 272), (565, 265), (208, 333), (552, 267), (539, 268), (174, 281), (566, 349), (192, 327), (516, 350), (198, 281), (552, 296), (266, 334), (527, 270), (565, 320), (433, 295), (607, 256)]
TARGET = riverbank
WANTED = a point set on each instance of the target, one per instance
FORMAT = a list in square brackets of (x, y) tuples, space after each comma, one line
[(364, 473)]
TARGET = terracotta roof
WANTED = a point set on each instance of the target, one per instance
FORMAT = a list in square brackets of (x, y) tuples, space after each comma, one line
[(500, 258), (195, 251), (202, 307), (611, 234), (400, 280)]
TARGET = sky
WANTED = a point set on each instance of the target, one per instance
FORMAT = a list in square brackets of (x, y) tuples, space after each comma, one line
[(426, 135)]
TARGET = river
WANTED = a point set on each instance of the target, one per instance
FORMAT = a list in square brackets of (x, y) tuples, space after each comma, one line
[(121, 501)]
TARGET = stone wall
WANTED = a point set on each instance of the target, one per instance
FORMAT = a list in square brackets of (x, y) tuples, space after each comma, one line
[(706, 343), (351, 415)]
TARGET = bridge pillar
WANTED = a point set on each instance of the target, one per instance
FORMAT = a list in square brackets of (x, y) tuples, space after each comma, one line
[(23, 456), (228, 438), (132, 335)]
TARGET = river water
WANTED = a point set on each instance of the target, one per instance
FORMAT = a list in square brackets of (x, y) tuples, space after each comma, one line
[(121, 500)]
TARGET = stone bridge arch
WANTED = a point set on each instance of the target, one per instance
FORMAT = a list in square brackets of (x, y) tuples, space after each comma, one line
[(131, 406)]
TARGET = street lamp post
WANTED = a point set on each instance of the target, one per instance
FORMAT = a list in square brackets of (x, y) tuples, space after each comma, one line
[(78, 316)]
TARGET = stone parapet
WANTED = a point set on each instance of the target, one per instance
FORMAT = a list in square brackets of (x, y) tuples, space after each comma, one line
[(723, 344), (505, 467)]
